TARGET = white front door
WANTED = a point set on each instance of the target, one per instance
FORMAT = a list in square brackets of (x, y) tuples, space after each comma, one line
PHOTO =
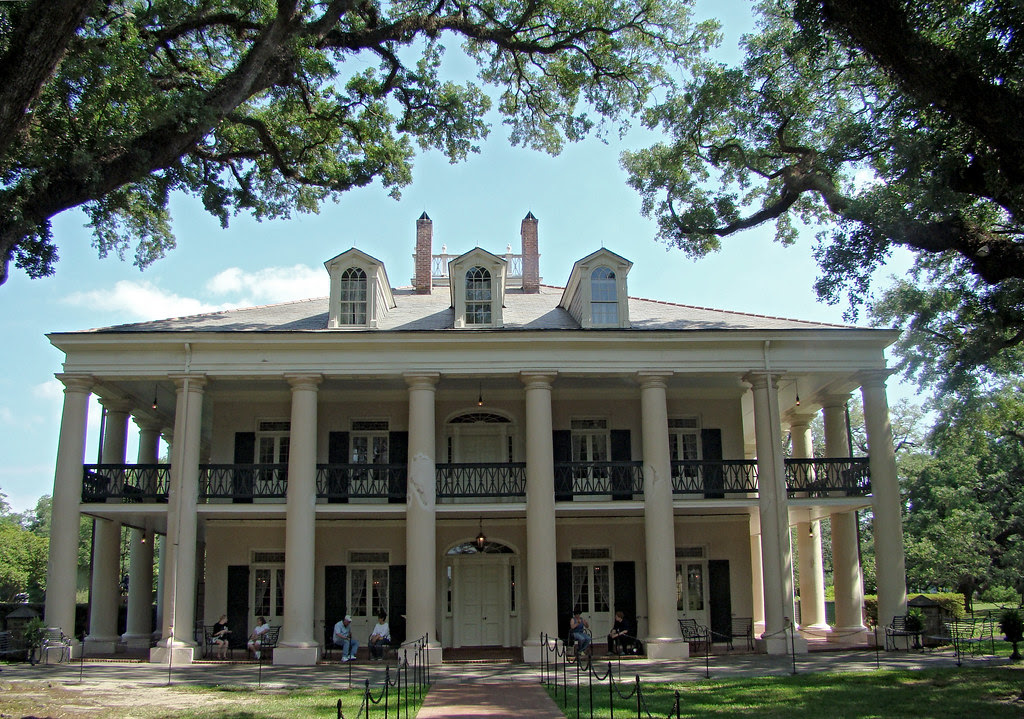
[(481, 615)]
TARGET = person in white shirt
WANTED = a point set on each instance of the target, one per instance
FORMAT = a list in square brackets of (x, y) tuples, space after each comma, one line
[(256, 638), (380, 637), (343, 638)]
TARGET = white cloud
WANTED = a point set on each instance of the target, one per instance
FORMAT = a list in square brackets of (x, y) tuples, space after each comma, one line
[(143, 301), (50, 390), (273, 284)]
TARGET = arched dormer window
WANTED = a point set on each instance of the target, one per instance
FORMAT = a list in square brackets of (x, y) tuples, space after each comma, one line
[(479, 296), (604, 298), (352, 310)]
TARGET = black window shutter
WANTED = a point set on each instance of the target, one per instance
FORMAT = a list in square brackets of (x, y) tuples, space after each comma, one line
[(621, 451), (561, 451), (719, 598), (337, 477), (396, 615), (398, 451), (237, 605), (625, 592), (711, 449), (563, 594), (245, 453), (335, 599)]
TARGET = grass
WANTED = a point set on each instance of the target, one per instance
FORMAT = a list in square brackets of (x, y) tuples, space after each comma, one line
[(993, 693), (51, 700)]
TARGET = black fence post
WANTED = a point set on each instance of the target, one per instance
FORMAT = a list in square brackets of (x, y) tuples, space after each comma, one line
[(638, 702)]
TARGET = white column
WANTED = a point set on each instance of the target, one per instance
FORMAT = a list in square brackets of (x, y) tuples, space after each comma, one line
[(62, 569), (105, 592), (180, 580), (420, 524), (773, 507), (846, 573), (890, 565), (756, 577), (298, 644), (139, 624), (541, 575), (808, 541), (663, 640)]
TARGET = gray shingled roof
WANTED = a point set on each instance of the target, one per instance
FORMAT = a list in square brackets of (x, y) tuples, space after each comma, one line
[(433, 312)]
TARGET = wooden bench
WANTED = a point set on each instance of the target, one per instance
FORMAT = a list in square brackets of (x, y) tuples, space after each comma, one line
[(898, 628), (695, 633)]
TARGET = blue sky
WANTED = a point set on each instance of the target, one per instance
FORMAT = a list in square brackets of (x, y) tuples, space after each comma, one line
[(580, 198)]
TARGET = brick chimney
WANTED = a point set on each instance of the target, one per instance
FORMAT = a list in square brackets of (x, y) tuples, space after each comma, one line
[(424, 255), (531, 255)]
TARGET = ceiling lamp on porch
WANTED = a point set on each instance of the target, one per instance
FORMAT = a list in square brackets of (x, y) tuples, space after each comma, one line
[(481, 538), (480, 396)]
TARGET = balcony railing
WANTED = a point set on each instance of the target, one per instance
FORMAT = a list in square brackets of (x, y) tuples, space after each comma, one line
[(241, 483), (481, 479), (714, 478), (126, 482), (828, 477), (345, 482), (618, 480)]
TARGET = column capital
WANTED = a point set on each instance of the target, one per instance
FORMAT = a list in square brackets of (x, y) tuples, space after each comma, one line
[(875, 378), (538, 379), (196, 382), (116, 404), (802, 419), (760, 379), (148, 424), (653, 378), (421, 380), (834, 401), (304, 381), (76, 382)]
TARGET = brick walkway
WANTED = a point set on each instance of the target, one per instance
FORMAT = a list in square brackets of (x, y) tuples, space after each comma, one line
[(493, 701)]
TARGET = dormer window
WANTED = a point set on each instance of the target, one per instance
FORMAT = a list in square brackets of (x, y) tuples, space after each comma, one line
[(352, 310), (478, 296), (360, 292), (604, 300), (478, 289), (596, 293)]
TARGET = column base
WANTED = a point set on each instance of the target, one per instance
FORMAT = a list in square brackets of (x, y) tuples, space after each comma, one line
[(852, 637), (296, 656), (666, 648), (178, 655), (816, 631), (780, 644), (136, 641), (95, 646), (434, 654), (534, 651)]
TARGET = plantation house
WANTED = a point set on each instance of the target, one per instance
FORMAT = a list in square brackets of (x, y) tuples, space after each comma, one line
[(477, 454)]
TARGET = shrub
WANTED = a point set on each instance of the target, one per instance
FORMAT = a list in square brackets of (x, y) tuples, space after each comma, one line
[(1011, 623)]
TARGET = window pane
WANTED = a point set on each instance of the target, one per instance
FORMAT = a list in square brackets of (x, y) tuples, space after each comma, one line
[(261, 600), (604, 313), (267, 455), (279, 587), (695, 580), (357, 605), (601, 585), (581, 588), (380, 590), (282, 452), (602, 285), (680, 588)]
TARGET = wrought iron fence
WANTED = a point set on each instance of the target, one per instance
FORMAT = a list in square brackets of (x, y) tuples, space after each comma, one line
[(618, 480), (129, 483), (823, 477), (481, 479), (243, 482), (714, 478), (342, 482)]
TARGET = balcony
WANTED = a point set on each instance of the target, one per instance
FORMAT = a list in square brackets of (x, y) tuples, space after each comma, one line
[(386, 483)]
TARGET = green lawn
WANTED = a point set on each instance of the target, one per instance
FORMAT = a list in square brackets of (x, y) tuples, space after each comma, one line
[(297, 703), (933, 694)]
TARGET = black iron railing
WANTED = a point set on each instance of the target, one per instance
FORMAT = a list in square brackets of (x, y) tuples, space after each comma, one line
[(128, 483), (481, 479), (243, 482), (828, 477), (343, 482), (619, 480), (714, 478), (711, 479)]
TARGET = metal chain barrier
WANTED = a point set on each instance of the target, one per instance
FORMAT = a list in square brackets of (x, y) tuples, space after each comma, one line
[(418, 662)]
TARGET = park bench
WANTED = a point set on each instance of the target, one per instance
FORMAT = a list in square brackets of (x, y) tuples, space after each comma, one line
[(694, 633), (968, 636), (7, 649), (268, 641), (55, 638), (739, 628), (898, 628)]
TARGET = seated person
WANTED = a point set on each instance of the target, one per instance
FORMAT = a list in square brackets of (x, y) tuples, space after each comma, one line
[(619, 639), (343, 638), (579, 632), (219, 637), (380, 636), (255, 639)]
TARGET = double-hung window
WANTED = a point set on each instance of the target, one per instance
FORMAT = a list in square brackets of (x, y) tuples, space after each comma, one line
[(604, 297), (479, 296), (352, 310)]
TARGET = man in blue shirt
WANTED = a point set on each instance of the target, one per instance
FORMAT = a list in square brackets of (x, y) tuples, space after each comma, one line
[(343, 638)]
